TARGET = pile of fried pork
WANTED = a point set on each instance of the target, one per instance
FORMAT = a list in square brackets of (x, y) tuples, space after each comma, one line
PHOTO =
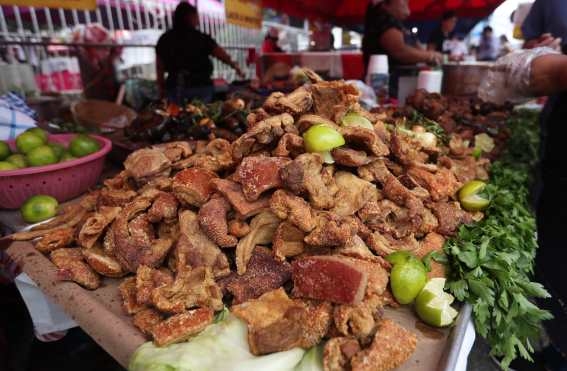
[(292, 245)]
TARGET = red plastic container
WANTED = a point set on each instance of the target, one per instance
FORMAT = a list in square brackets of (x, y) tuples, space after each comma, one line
[(63, 181)]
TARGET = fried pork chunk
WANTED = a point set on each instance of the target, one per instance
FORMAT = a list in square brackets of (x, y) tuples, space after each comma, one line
[(262, 230), (128, 293), (333, 99), (262, 134), (216, 157), (353, 193), (295, 209), (295, 103), (164, 208), (103, 263), (193, 186), (194, 249), (385, 216), (450, 216), (55, 240), (258, 174), (331, 230), (181, 327), (277, 323), (441, 185), (290, 145), (288, 241), (331, 278), (303, 176), (338, 353), (147, 163), (364, 139), (148, 279), (72, 267), (432, 242), (233, 193), (391, 347), (350, 157), (190, 289), (146, 319), (134, 238), (212, 219), (263, 273), (95, 225)]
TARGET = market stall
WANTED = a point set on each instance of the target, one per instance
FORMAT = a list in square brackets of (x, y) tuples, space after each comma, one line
[(307, 225)]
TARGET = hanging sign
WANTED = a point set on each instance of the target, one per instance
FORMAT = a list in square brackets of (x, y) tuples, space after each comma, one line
[(244, 13), (64, 4)]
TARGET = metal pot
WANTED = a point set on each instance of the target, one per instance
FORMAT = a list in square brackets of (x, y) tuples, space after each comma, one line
[(463, 79)]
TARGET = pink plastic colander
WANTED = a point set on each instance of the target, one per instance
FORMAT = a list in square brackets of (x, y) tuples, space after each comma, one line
[(63, 181)]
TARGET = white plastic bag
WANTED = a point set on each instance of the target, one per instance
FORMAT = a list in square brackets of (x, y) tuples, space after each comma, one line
[(509, 79)]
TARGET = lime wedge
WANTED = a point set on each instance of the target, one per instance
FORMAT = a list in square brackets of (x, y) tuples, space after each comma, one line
[(433, 305), (474, 203), (355, 119), (471, 198), (398, 257)]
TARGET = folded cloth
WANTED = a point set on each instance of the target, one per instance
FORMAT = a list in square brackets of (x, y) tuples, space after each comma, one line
[(15, 116), (49, 320)]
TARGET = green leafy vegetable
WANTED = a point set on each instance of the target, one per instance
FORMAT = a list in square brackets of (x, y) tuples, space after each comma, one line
[(221, 346), (491, 262)]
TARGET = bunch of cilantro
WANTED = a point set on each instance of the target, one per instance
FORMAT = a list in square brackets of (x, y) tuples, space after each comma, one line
[(491, 262)]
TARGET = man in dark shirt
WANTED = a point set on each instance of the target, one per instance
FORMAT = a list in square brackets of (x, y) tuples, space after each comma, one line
[(443, 32), (183, 52)]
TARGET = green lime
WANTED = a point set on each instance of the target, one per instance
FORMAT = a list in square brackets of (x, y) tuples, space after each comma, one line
[(5, 165), (58, 148), (27, 141), (39, 132), (83, 145), (321, 138), (17, 159), (355, 119), (471, 198), (41, 156), (407, 279), (398, 257), (67, 157), (433, 305), (39, 208), (5, 150)]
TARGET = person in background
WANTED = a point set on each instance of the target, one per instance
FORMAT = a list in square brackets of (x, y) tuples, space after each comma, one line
[(270, 43), (546, 25), (487, 48), (457, 48), (183, 53), (505, 46), (443, 33), (384, 33)]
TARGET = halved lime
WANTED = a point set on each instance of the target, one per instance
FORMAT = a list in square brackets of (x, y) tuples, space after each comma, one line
[(321, 138), (471, 198), (398, 257), (433, 305), (39, 208), (355, 119), (407, 279)]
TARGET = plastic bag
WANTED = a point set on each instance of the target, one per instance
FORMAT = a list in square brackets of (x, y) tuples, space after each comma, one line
[(509, 79)]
